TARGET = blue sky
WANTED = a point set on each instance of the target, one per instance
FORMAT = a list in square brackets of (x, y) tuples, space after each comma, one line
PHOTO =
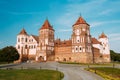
[(102, 15)]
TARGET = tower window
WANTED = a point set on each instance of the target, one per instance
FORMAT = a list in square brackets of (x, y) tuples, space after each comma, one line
[(25, 46), (26, 40), (76, 48), (31, 46), (80, 48), (22, 40), (18, 46), (31, 40)]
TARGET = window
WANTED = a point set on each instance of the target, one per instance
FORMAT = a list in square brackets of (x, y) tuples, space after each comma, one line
[(25, 46), (26, 40), (18, 46), (69, 58), (80, 48), (22, 40), (64, 59), (76, 48), (34, 46), (31, 46), (104, 48)]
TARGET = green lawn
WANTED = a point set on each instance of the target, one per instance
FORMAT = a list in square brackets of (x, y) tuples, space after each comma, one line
[(30, 74), (107, 72), (90, 64)]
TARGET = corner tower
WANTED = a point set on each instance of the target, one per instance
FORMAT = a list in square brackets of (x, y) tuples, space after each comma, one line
[(105, 47), (22, 45), (46, 42), (81, 40)]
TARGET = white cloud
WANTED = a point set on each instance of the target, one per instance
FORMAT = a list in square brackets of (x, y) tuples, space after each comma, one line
[(105, 12), (95, 24), (114, 37), (72, 11), (99, 23), (23, 13)]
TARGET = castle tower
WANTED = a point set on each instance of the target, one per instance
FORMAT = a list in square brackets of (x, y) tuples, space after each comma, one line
[(105, 47), (81, 40), (46, 42), (22, 46)]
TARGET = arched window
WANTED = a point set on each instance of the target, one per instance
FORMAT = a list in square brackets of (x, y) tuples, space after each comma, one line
[(76, 48), (18, 46), (22, 39), (25, 46), (34, 46), (26, 40), (64, 59), (31, 46), (80, 48), (69, 58)]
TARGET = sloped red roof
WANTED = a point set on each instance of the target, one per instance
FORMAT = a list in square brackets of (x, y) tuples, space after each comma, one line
[(80, 21), (47, 25), (63, 43), (35, 37), (95, 41), (23, 32), (102, 35)]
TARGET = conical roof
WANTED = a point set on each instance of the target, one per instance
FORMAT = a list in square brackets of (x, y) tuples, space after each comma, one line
[(95, 41), (80, 21), (23, 32), (102, 35), (46, 25)]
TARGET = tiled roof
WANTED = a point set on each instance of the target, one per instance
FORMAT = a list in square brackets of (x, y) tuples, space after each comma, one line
[(80, 21), (35, 37), (23, 32), (47, 25), (102, 35), (63, 43), (95, 41)]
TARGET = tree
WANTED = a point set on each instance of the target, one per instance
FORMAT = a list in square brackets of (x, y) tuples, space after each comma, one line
[(9, 54), (114, 56)]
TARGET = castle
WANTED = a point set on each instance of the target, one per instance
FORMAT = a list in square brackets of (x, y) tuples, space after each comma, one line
[(81, 47)]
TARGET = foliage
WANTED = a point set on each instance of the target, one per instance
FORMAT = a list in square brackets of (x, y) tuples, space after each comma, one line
[(106, 72), (9, 54), (30, 74), (114, 56)]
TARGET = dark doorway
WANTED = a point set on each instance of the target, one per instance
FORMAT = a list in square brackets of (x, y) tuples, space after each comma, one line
[(41, 58)]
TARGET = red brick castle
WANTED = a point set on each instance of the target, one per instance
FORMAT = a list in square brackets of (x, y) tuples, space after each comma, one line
[(80, 48)]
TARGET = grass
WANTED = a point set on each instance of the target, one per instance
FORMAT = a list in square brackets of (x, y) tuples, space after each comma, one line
[(106, 72), (30, 74), (90, 64), (4, 63)]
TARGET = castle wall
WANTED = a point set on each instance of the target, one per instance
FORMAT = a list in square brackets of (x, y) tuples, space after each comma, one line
[(65, 54), (97, 56), (80, 48)]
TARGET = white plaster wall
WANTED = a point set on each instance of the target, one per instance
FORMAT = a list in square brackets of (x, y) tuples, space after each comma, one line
[(105, 44)]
